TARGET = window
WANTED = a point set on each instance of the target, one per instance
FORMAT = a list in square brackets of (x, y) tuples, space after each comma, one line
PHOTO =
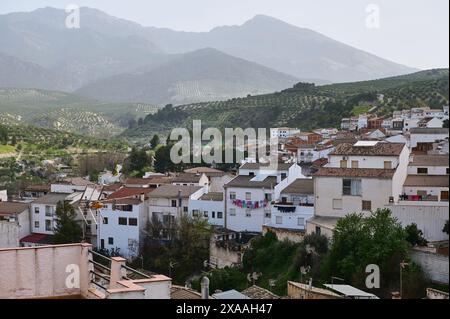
[(251, 173), (283, 176), (48, 225), (195, 213), (366, 205), (219, 215), (232, 195), (132, 221), (355, 164), (279, 220), (102, 243), (284, 199), (248, 213), (122, 221), (300, 221), (174, 203), (318, 230), (36, 210), (351, 187), (205, 214), (422, 170), (185, 209), (248, 196), (446, 171), (105, 220), (213, 214), (337, 203), (110, 241), (267, 214), (343, 164), (387, 165), (268, 197), (36, 224)]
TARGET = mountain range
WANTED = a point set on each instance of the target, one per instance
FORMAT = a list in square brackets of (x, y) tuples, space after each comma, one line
[(118, 60)]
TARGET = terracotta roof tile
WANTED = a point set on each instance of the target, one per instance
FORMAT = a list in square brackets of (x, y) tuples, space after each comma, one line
[(355, 172), (379, 149)]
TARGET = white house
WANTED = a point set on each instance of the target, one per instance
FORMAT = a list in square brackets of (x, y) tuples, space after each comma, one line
[(248, 195), (122, 224), (283, 132), (210, 206), (291, 210), (422, 139), (43, 211), (359, 177), (14, 223), (70, 185), (169, 202)]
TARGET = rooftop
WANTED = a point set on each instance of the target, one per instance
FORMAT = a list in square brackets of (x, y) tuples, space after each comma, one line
[(230, 294), (214, 196), (123, 201), (314, 289), (247, 182), (256, 292), (370, 148), (76, 181), (51, 199), (9, 208), (41, 239), (180, 292), (112, 187), (172, 191), (199, 170), (187, 178), (38, 188), (355, 172), (426, 130), (429, 160), (350, 291), (280, 166), (129, 192), (427, 180), (300, 186)]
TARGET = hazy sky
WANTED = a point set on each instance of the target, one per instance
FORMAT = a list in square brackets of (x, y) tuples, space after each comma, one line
[(411, 32)]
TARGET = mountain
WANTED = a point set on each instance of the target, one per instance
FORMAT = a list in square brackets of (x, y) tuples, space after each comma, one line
[(286, 48), (305, 106), (17, 73), (105, 46), (198, 76)]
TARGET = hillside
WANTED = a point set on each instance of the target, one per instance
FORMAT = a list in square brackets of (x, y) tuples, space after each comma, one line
[(198, 76), (305, 106), (68, 112)]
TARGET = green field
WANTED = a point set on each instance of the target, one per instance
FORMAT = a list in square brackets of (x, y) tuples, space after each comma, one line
[(4, 149)]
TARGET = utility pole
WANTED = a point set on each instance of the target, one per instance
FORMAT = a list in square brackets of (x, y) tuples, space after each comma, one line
[(402, 266)]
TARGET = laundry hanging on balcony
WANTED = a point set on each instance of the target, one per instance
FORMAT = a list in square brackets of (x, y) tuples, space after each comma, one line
[(250, 204)]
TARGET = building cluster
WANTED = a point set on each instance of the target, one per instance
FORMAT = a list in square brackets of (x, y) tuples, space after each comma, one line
[(399, 163)]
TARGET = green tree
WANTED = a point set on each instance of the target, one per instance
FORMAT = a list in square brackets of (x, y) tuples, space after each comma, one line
[(67, 229), (414, 235), (357, 242), (155, 141), (3, 135), (138, 160)]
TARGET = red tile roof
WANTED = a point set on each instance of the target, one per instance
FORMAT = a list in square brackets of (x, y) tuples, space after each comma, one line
[(130, 192), (355, 172), (35, 239), (379, 149)]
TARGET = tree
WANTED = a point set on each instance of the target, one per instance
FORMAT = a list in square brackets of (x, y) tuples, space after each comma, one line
[(155, 141), (415, 235), (13, 140), (3, 135), (138, 160), (357, 242), (67, 229)]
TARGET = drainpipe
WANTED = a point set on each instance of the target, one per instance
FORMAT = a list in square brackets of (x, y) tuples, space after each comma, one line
[(225, 213)]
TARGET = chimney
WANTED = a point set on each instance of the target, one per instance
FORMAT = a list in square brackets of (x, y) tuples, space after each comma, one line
[(205, 287), (142, 197), (310, 284)]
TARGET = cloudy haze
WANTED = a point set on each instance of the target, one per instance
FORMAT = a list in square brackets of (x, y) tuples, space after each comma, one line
[(411, 32)]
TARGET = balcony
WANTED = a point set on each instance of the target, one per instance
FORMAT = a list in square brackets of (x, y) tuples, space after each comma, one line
[(291, 207), (420, 198)]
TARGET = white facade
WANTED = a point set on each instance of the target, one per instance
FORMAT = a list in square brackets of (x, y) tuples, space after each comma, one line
[(283, 132), (121, 226), (210, 209), (3, 195), (338, 195), (248, 204), (425, 137)]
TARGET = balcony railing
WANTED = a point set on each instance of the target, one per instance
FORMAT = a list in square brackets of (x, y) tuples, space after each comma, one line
[(420, 198)]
